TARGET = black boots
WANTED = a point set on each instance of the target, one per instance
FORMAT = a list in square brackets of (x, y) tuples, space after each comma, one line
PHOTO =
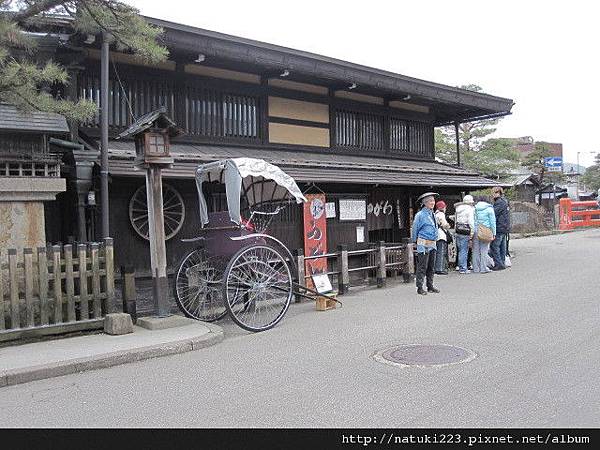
[(421, 291)]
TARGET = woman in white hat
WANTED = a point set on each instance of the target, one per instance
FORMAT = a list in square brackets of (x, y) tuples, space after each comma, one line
[(464, 229)]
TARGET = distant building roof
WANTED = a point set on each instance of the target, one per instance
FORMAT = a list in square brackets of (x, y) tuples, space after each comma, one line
[(13, 119), (526, 144), (517, 180), (518, 177)]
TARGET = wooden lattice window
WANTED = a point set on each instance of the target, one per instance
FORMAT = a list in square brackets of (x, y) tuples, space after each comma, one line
[(420, 138), (132, 96), (156, 144), (399, 135), (359, 130), (212, 113)]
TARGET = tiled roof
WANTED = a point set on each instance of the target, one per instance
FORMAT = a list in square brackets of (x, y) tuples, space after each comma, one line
[(305, 166), (12, 119)]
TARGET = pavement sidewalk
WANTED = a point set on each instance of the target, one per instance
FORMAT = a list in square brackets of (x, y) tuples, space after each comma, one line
[(53, 358)]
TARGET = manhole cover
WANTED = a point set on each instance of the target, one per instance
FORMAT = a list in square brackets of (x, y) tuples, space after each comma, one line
[(417, 355)]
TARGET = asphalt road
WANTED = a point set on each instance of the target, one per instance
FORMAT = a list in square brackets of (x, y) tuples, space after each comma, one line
[(535, 330)]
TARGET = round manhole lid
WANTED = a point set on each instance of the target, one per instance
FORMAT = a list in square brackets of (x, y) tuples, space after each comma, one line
[(418, 355)]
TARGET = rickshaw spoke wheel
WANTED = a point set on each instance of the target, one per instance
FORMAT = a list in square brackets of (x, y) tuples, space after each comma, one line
[(173, 212), (257, 287), (197, 287)]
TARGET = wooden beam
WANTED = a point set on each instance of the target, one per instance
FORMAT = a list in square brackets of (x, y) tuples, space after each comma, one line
[(158, 251), (456, 135)]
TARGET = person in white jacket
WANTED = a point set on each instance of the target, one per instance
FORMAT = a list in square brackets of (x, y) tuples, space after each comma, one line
[(464, 229), (441, 257)]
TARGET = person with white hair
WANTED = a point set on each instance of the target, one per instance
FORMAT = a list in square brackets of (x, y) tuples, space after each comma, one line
[(425, 233), (464, 229)]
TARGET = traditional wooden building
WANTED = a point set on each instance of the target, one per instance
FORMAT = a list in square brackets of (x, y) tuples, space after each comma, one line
[(361, 135), (30, 176), (523, 183)]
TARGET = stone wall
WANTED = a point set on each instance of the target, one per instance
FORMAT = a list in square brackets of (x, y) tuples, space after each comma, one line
[(22, 223), (526, 217)]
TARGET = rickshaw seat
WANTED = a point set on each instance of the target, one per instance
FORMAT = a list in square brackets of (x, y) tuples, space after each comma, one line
[(220, 220), (218, 232)]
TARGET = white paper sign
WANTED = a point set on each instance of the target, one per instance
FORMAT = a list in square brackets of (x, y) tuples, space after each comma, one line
[(360, 233), (353, 209), (322, 283), (330, 210)]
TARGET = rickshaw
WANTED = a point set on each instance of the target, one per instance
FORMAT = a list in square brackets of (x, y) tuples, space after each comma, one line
[(236, 267)]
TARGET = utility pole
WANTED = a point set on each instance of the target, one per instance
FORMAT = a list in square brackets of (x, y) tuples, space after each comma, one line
[(457, 143), (104, 134)]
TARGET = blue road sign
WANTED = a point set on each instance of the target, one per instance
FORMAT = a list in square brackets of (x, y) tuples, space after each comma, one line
[(553, 161)]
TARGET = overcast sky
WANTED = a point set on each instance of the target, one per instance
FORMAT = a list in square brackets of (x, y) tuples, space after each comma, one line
[(542, 54)]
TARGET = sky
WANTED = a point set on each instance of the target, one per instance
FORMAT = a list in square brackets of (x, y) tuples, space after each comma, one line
[(542, 54)]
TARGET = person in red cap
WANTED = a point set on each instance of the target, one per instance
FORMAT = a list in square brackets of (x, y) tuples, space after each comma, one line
[(443, 239)]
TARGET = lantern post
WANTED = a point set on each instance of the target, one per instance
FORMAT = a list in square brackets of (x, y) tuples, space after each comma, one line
[(152, 133)]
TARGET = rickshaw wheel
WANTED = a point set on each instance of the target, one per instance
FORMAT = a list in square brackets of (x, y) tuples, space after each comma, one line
[(197, 287), (257, 287)]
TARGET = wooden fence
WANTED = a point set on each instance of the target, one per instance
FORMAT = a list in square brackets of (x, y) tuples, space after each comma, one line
[(55, 289), (376, 263)]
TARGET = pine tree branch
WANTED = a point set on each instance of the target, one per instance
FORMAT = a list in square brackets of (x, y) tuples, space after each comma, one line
[(107, 29), (35, 9)]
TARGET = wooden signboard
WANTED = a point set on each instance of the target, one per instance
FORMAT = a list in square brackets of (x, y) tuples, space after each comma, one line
[(315, 235)]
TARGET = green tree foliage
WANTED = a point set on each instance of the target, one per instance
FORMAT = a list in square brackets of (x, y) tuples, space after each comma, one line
[(494, 157), (487, 193), (491, 157), (26, 79), (591, 177), (472, 134), (445, 148), (534, 161)]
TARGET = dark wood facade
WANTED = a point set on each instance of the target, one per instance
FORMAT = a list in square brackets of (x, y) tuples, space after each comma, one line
[(214, 111), (320, 107)]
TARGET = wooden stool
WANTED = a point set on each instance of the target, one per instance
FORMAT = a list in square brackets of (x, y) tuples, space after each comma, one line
[(324, 304)]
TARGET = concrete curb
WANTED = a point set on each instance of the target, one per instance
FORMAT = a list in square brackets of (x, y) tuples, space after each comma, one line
[(101, 361), (540, 233)]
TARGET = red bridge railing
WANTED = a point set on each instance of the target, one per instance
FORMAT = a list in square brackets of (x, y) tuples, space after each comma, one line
[(578, 214)]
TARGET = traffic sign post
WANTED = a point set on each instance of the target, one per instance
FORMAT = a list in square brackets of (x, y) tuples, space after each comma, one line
[(553, 163)]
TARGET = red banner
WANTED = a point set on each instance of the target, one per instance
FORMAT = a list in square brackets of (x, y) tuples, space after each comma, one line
[(315, 234)]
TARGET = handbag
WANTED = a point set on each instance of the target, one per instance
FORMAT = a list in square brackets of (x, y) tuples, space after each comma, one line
[(449, 238), (484, 234), (463, 229)]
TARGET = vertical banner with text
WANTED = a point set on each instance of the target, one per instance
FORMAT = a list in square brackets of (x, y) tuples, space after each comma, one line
[(315, 234)]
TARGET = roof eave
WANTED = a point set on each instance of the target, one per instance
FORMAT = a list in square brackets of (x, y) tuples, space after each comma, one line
[(187, 38), (467, 104)]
